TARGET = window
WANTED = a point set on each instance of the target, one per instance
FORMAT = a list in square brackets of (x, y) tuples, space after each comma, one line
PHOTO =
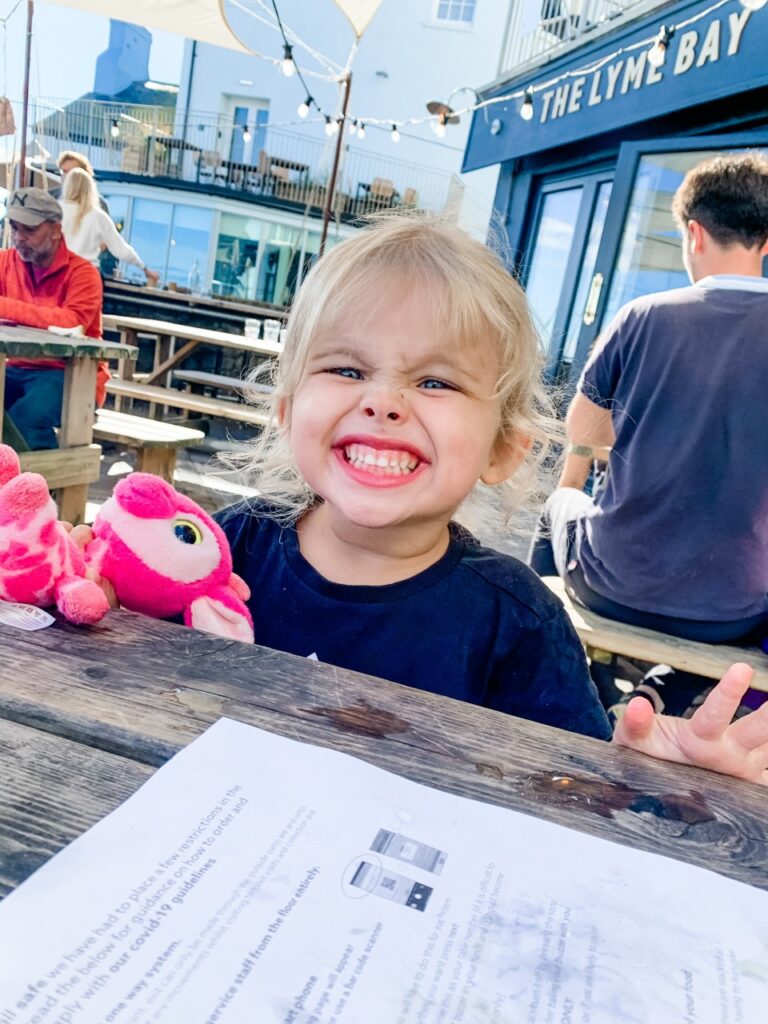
[(188, 251), (150, 235), (456, 11)]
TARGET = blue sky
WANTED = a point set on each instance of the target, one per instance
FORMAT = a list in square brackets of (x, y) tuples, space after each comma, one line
[(65, 46)]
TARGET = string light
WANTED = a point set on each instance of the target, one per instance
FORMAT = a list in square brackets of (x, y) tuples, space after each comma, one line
[(114, 131), (330, 126), (352, 126), (395, 136), (753, 5), (438, 126), (526, 110), (303, 108), (246, 134), (287, 65), (361, 131), (658, 52)]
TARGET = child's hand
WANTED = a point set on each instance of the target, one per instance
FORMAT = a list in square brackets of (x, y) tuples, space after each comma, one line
[(708, 739), (82, 536)]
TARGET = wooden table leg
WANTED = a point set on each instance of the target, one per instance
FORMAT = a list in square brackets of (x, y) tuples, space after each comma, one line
[(160, 461), (78, 412)]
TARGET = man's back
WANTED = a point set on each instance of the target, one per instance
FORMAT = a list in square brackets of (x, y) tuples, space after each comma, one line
[(682, 526)]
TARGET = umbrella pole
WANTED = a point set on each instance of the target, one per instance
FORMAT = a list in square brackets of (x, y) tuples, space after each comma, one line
[(25, 97), (331, 191)]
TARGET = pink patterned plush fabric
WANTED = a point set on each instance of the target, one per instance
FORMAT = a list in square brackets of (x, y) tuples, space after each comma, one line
[(39, 563), (165, 556)]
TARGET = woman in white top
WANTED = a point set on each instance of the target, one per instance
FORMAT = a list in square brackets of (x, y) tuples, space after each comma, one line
[(88, 229)]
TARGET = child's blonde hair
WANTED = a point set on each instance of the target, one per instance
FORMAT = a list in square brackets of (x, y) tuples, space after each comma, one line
[(80, 189), (476, 301)]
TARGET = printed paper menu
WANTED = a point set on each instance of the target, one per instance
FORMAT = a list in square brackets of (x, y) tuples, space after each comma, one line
[(257, 879)]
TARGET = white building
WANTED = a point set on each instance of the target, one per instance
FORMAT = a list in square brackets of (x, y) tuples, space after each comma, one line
[(224, 190)]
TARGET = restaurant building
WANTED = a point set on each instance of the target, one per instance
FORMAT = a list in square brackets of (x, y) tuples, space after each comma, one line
[(593, 138)]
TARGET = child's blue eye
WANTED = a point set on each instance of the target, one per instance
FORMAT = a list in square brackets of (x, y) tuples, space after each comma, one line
[(347, 371), (434, 383)]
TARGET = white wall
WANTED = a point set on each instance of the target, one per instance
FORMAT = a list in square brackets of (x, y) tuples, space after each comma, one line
[(405, 58)]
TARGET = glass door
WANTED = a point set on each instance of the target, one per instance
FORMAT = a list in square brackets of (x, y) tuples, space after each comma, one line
[(641, 251), (563, 245)]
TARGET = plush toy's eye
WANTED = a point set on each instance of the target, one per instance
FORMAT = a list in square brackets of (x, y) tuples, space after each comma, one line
[(187, 532)]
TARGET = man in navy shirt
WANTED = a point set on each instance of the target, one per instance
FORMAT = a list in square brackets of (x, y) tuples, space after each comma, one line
[(678, 539)]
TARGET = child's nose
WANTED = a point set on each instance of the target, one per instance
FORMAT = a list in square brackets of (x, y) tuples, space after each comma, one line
[(384, 403)]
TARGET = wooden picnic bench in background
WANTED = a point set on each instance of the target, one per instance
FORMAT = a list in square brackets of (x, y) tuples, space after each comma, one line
[(200, 382), (186, 400), (600, 635), (156, 443)]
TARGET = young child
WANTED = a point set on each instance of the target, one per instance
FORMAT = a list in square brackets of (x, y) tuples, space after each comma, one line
[(410, 378)]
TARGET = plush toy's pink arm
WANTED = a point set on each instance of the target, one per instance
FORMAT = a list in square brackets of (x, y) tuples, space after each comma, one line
[(240, 587), (81, 601), (221, 612)]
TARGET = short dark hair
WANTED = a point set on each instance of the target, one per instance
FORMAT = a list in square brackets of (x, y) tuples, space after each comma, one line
[(728, 196)]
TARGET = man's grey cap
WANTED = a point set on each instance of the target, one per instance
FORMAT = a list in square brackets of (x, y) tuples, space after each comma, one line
[(32, 206)]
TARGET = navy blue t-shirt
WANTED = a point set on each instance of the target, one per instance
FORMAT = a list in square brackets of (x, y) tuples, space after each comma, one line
[(477, 625), (681, 528)]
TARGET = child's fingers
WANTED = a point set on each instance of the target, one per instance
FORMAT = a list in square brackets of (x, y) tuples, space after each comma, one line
[(636, 723), (751, 731), (716, 713), (81, 535)]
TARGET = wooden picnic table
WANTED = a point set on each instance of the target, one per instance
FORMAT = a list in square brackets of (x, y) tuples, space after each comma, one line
[(86, 715), (76, 456), (166, 333)]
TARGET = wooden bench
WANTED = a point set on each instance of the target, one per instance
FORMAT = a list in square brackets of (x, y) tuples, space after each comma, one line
[(186, 400), (199, 381), (156, 443), (64, 467), (711, 660)]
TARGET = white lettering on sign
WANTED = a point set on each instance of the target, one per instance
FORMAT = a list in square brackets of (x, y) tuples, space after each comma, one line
[(687, 50), (633, 72), (736, 23), (710, 49)]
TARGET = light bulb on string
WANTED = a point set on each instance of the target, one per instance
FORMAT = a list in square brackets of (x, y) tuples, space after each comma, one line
[(658, 52), (753, 5), (287, 65), (526, 110), (329, 125), (114, 130), (303, 108), (438, 126), (361, 131), (246, 134), (395, 136), (352, 126)]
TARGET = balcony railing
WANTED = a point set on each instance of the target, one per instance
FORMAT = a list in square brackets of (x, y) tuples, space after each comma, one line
[(540, 30), (268, 164)]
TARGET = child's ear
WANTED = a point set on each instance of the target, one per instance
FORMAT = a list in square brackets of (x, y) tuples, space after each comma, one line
[(508, 452), (282, 412)]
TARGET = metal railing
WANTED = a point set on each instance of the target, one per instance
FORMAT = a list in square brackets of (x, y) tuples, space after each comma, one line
[(545, 28), (273, 164)]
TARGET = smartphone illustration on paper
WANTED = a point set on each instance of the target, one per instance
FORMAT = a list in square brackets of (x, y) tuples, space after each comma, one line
[(391, 886), (394, 844)]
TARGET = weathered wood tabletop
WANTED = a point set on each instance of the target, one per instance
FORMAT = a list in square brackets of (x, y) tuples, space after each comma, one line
[(81, 356), (86, 715)]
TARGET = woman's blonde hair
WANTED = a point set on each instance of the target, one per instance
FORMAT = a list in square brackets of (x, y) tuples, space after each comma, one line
[(477, 302), (80, 189)]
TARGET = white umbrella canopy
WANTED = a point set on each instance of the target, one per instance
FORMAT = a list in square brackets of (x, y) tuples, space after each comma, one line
[(359, 13), (203, 20)]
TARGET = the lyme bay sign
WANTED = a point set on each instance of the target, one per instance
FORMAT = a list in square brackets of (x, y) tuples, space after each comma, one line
[(721, 54)]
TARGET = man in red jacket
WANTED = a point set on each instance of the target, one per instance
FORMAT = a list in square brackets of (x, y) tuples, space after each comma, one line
[(43, 284)]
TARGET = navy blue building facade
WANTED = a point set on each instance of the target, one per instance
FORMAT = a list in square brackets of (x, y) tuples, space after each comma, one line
[(586, 183)]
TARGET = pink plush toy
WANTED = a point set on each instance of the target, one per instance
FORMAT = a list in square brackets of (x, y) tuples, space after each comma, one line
[(39, 563), (165, 556), (161, 552)]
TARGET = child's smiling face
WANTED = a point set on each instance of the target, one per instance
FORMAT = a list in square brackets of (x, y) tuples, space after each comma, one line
[(391, 424)]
